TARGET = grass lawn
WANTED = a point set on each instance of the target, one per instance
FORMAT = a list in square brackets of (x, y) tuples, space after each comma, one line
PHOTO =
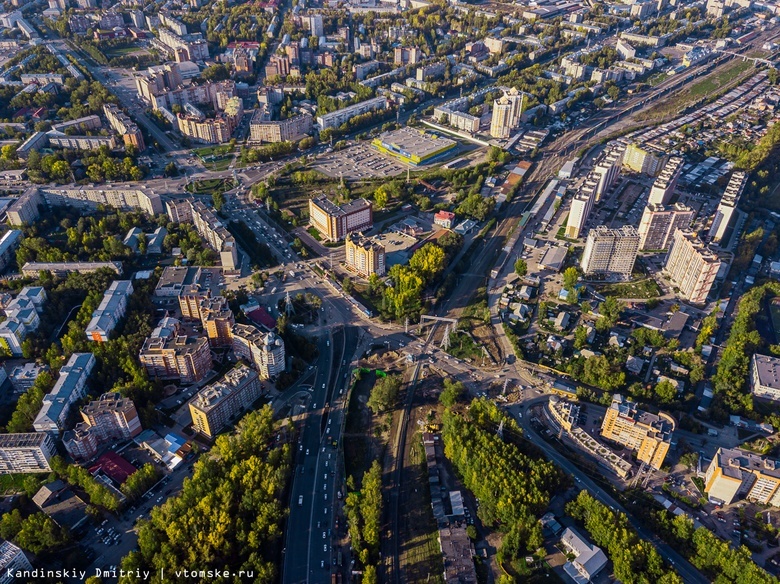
[(646, 288), (462, 346), (658, 78), (121, 51), (210, 186), (14, 483), (207, 151), (217, 164), (314, 233)]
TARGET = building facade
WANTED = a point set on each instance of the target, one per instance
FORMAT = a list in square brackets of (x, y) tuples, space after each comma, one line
[(640, 160), (735, 474), (263, 350), (765, 377), (215, 407), (26, 453), (727, 207), (663, 187), (289, 130), (610, 252), (649, 435), (691, 267), (71, 386), (110, 311), (108, 419), (335, 222), (187, 359), (365, 256)]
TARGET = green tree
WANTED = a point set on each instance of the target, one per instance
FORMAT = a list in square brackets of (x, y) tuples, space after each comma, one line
[(666, 392), (384, 393), (452, 392), (570, 277), (521, 267)]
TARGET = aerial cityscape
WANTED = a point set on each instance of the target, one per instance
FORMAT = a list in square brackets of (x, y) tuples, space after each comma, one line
[(389, 291)]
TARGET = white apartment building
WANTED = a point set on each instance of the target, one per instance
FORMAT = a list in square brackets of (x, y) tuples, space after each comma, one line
[(728, 206), (765, 377), (610, 252), (70, 387), (26, 452), (335, 119), (663, 187)]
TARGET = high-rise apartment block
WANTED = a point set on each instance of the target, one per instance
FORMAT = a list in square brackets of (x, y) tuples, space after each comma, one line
[(108, 419), (728, 206), (581, 205), (316, 26), (734, 474), (263, 350), (26, 453), (217, 405), (649, 435), (211, 229), (71, 386), (691, 267), (610, 252), (640, 160), (607, 170), (217, 319), (407, 55), (124, 126), (506, 113), (335, 222), (364, 255), (168, 354), (110, 311), (663, 187), (12, 562), (659, 223)]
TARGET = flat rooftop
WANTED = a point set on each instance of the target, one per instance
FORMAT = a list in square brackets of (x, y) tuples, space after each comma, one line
[(411, 142)]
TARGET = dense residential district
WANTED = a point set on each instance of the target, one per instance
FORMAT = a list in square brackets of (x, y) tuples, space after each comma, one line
[(398, 291)]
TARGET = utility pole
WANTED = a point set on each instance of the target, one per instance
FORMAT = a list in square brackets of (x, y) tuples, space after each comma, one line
[(445, 342), (288, 305), (500, 431), (406, 325)]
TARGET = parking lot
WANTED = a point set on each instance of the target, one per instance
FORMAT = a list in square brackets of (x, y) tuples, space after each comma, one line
[(358, 162)]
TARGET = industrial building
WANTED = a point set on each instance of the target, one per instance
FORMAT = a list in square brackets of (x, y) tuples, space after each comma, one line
[(414, 147)]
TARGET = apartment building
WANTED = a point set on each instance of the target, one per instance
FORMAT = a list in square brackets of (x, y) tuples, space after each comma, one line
[(663, 187), (108, 419), (110, 311), (23, 376), (218, 405), (263, 350), (12, 562), (506, 113), (660, 222), (735, 474), (640, 160), (407, 55), (36, 141), (610, 252), (727, 207), (588, 559), (179, 357), (124, 126), (60, 140), (33, 269), (607, 170), (581, 206), (364, 255), (22, 318), (70, 387), (8, 244), (184, 48), (124, 198), (339, 117), (691, 267), (649, 435), (26, 453), (765, 377), (211, 229), (289, 130), (336, 222), (24, 210), (217, 319)]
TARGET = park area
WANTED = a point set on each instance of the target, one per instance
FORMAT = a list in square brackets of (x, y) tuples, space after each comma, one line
[(216, 158), (212, 186), (641, 289)]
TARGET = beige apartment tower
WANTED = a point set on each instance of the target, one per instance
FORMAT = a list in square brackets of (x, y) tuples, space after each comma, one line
[(610, 252), (691, 267), (659, 223), (365, 256), (735, 474), (217, 406), (649, 435)]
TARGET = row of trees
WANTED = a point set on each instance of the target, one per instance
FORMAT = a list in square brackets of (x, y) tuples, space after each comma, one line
[(78, 476), (717, 559), (140, 481), (512, 486), (228, 516), (743, 341), (634, 560), (364, 511)]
